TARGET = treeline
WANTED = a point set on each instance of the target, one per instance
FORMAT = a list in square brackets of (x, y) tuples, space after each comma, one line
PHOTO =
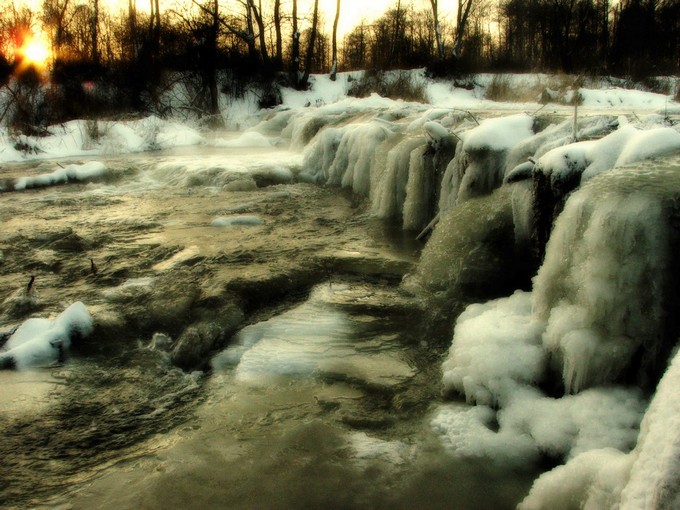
[(631, 38), (226, 46)]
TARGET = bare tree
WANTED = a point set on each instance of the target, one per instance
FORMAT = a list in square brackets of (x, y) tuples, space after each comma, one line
[(132, 29), (94, 31), (277, 29), (295, 49), (462, 15), (54, 19), (438, 28), (310, 48), (334, 65), (396, 33), (257, 15)]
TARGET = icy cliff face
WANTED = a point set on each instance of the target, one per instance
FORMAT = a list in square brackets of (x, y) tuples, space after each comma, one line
[(479, 165), (646, 478), (598, 324), (601, 289), (395, 159), (560, 171)]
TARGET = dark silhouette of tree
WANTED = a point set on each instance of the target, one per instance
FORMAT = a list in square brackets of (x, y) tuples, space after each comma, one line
[(462, 14), (309, 55), (295, 49), (437, 29), (279, 38), (334, 57)]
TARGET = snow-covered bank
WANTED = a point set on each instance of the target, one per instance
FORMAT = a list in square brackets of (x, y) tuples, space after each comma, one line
[(86, 138), (101, 137)]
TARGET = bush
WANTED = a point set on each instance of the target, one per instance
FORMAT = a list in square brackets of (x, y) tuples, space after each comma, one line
[(395, 85)]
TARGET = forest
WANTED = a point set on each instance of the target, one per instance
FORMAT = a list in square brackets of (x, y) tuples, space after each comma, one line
[(130, 54)]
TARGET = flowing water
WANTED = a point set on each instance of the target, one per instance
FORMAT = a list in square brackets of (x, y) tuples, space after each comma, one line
[(316, 386)]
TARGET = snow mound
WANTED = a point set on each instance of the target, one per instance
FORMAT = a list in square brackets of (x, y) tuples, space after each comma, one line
[(84, 172), (41, 341), (496, 346), (622, 147), (495, 360), (499, 133)]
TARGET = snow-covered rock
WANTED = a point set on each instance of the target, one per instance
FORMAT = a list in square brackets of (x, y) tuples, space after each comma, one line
[(42, 341)]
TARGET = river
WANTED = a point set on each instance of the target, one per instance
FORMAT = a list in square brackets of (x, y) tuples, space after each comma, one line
[(315, 383)]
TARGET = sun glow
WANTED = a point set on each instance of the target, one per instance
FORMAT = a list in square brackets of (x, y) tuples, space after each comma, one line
[(34, 52)]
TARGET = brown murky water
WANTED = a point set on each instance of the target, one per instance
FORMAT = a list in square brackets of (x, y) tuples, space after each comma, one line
[(321, 401)]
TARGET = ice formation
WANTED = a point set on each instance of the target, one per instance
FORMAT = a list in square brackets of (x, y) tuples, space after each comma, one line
[(647, 477), (598, 319), (42, 341), (584, 160), (479, 165), (601, 286), (398, 167)]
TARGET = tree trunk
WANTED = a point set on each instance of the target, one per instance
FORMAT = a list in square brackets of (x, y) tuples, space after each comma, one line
[(252, 51), (437, 29), (462, 14), (132, 24), (310, 48), (295, 50), (277, 29), (334, 65), (212, 74), (94, 31), (395, 35), (257, 14)]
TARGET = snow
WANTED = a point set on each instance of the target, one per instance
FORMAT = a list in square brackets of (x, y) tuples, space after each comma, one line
[(79, 138), (84, 172), (624, 146), (647, 477), (496, 360), (42, 341), (496, 346), (236, 221), (499, 133)]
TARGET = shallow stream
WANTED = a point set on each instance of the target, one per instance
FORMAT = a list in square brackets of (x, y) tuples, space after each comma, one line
[(321, 398)]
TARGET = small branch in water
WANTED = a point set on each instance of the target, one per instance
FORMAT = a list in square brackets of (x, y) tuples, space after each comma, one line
[(29, 287), (533, 114), (93, 267), (468, 112), (429, 227)]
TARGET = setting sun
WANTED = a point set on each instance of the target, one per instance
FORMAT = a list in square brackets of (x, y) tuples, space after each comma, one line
[(34, 52)]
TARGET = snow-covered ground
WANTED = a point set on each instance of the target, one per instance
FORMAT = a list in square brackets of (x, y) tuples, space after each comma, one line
[(92, 138)]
